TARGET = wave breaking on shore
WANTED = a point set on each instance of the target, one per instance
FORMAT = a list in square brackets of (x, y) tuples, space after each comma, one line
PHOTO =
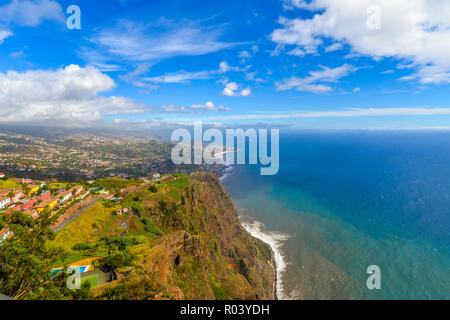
[(275, 241)]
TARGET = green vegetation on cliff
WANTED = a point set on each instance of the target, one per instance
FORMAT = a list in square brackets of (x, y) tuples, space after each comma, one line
[(179, 239)]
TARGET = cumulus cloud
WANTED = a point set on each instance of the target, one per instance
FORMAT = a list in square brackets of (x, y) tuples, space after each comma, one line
[(416, 31), (69, 95), (4, 34), (225, 67), (232, 90), (245, 55), (315, 81), (31, 13)]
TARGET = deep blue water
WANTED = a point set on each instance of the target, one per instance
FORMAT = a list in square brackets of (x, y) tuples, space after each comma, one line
[(348, 200)]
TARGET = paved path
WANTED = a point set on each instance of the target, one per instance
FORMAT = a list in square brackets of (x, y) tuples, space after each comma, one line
[(76, 215)]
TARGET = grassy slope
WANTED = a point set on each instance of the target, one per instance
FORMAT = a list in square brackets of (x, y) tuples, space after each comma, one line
[(84, 229), (9, 184)]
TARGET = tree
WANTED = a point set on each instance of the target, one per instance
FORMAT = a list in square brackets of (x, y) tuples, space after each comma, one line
[(26, 189), (11, 194), (25, 259)]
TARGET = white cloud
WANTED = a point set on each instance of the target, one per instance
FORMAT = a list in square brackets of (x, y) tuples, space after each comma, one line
[(209, 106), (186, 77), (17, 54), (252, 76), (345, 113), (388, 72), (64, 96), (31, 13), (416, 31), (135, 42), (195, 108), (4, 34), (232, 90), (225, 67), (356, 90), (244, 55), (246, 92), (314, 82), (181, 77), (334, 47), (98, 60), (134, 78)]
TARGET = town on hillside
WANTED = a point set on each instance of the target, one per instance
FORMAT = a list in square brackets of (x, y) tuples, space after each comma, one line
[(32, 197)]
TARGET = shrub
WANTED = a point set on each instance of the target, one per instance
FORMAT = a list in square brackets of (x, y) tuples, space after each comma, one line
[(81, 246)]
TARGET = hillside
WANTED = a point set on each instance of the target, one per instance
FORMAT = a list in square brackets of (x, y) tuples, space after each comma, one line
[(179, 238)]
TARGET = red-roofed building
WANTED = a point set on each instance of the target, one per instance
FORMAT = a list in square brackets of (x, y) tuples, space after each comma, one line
[(27, 204), (2, 175), (44, 196)]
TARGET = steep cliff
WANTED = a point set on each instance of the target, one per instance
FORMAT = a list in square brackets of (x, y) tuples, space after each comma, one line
[(199, 251)]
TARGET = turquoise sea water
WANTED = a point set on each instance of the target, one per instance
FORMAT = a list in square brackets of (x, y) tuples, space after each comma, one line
[(347, 200)]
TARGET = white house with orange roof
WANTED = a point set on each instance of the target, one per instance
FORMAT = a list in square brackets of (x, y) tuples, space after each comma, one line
[(4, 201)]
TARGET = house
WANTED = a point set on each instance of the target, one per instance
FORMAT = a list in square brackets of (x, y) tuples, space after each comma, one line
[(5, 235), (18, 196), (33, 188), (50, 203), (24, 205), (65, 196), (32, 213), (2, 175), (44, 196), (27, 204), (4, 201), (77, 190), (156, 175), (27, 181)]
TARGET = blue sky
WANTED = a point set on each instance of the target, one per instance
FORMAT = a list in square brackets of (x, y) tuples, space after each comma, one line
[(317, 64)]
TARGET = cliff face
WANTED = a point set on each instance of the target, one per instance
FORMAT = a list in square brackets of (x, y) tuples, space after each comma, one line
[(204, 254)]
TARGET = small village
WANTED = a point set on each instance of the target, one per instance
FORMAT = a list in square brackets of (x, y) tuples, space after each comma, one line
[(32, 197), (68, 201)]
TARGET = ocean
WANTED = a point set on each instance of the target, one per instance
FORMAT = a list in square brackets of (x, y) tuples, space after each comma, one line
[(343, 201)]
